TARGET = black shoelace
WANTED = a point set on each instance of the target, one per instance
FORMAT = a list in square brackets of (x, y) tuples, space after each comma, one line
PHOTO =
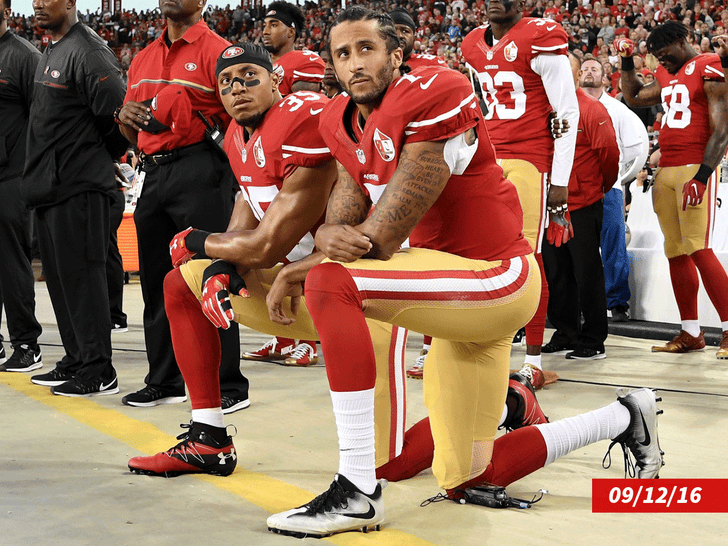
[(335, 496)]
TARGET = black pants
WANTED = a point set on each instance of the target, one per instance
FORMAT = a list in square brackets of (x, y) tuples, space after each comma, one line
[(575, 275), (195, 190), (74, 241), (114, 264), (17, 291)]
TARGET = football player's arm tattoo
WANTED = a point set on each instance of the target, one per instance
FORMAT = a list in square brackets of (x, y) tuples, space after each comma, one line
[(348, 204), (419, 180)]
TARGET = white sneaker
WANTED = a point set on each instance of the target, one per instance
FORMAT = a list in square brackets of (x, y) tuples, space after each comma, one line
[(640, 438), (342, 508)]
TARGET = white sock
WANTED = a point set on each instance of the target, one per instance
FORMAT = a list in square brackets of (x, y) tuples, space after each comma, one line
[(209, 416), (504, 414), (533, 360), (692, 327), (572, 433), (354, 413), (425, 347), (724, 326)]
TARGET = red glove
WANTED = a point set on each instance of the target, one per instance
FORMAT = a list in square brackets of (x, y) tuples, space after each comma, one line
[(560, 230), (178, 249), (218, 279), (623, 46), (693, 192)]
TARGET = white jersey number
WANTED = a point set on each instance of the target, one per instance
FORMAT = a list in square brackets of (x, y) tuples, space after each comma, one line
[(676, 103), (295, 100), (505, 95)]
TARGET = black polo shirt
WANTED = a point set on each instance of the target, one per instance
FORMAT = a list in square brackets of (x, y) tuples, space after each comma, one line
[(71, 130), (18, 60)]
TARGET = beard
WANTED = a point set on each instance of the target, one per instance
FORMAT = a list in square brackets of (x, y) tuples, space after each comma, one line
[(591, 83), (381, 82)]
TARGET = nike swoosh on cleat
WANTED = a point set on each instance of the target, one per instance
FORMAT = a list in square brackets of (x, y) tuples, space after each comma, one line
[(360, 515), (647, 432)]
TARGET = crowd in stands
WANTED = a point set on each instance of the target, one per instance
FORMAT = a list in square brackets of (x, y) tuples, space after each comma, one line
[(591, 25)]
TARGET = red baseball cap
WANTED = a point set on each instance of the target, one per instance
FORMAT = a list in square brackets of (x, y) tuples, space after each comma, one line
[(171, 110)]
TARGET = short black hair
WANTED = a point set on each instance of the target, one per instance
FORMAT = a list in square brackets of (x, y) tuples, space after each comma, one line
[(666, 34), (387, 30), (293, 12), (7, 3)]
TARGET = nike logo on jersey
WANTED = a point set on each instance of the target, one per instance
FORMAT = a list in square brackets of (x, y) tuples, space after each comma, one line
[(358, 515), (314, 112), (424, 86), (104, 79), (602, 122), (646, 441)]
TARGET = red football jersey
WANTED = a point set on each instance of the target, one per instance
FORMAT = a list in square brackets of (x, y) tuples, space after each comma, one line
[(287, 138), (478, 214), (417, 60), (517, 103), (299, 66), (685, 125)]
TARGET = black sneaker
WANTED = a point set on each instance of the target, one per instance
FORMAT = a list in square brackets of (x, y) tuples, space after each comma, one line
[(53, 378), (231, 405), (78, 387), (25, 358), (3, 358), (552, 348), (520, 337), (151, 396), (620, 313), (585, 353), (119, 328)]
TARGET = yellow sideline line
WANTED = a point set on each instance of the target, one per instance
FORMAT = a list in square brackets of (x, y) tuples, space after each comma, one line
[(268, 493)]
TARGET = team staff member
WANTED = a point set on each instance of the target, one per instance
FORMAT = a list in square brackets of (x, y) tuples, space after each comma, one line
[(431, 155), (186, 182), (70, 181), (18, 60), (693, 90), (574, 270), (633, 148), (524, 74)]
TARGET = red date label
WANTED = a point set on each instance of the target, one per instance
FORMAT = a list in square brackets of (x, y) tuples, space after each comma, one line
[(671, 495)]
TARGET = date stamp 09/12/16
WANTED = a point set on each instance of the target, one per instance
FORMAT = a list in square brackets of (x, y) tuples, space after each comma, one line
[(660, 495)]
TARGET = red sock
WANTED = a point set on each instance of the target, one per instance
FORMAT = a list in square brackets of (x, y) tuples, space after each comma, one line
[(536, 326), (515, 455), (195, 340), (417, 452), (685, 284), (714, 278), (335, 305), (427, 340), (284, 341)]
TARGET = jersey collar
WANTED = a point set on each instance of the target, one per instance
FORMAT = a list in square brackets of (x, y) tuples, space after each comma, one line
[(193, 33)]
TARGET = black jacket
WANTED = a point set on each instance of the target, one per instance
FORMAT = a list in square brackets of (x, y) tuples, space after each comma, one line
[(18, 60), (72, 135)]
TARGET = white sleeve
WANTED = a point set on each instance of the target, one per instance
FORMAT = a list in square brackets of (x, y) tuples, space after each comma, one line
[(558, 81)]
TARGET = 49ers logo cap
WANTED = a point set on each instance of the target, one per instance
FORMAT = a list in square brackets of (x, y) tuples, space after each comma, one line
[(242, 54)]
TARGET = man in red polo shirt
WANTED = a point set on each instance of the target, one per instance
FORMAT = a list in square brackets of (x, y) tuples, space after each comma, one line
[(185, 181)]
